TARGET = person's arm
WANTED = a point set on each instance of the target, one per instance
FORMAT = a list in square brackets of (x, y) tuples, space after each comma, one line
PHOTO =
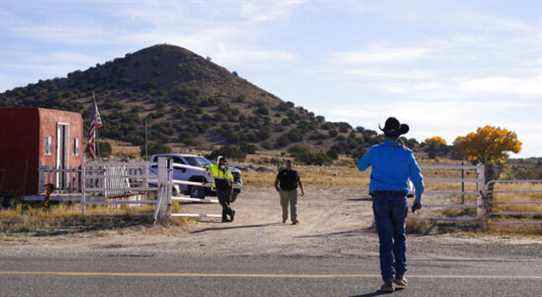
[(277, 183), (365, 161), (415, 175), (301, 186), (277, 187)]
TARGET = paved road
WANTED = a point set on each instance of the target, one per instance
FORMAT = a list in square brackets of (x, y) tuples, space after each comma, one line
[(261, 276)]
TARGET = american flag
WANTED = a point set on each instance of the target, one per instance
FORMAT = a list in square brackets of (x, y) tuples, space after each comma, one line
[(94, 125)]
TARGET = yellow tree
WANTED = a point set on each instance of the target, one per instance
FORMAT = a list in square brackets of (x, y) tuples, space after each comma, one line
[(436, 140), (490, 146), (435, 146)]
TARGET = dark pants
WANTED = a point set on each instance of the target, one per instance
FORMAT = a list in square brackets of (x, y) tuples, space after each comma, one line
[(390, 211), (224, 199)]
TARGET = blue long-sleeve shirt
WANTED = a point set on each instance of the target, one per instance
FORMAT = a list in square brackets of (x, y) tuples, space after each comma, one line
[(393, 165)]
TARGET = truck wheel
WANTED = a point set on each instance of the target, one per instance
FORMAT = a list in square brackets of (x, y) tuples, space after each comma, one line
[(195, 191)]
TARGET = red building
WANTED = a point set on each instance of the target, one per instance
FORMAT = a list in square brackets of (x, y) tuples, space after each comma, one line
[(31, 138)]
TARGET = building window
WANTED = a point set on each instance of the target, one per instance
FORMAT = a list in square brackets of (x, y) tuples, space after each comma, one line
[(76, 147), (48, 145)]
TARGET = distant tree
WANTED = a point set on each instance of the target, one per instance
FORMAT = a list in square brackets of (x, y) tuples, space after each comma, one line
[(435, 147), (490, 146)]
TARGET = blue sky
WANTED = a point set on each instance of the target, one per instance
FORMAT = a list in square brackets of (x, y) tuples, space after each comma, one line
[(444, 67)]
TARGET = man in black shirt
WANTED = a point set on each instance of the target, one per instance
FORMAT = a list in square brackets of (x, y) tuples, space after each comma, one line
[(286, 183)]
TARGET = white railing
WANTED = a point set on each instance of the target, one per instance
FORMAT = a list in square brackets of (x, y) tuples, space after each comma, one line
[(465, 179), (520, 200), (117, 183)]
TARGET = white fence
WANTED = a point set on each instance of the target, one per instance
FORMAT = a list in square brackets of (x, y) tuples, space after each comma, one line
[(448, 185), (116, 183), (512, 199), (515, 199)]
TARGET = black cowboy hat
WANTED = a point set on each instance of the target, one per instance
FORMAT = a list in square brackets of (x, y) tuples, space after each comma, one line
[(393, 128)]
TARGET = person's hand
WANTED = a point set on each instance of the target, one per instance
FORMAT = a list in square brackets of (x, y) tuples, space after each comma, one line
[(302, 194), (416, 206)]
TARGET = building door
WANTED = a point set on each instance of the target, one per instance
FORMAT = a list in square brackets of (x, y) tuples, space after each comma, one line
[(62, 145)]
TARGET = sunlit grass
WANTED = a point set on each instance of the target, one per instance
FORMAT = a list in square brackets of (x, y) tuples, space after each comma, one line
[(35, 219)]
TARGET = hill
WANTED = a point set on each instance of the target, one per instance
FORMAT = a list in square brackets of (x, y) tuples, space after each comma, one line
[(189, 100)]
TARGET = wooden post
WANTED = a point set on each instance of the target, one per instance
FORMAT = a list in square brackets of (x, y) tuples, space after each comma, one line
[(481, 211), (164, 190), (462, 182)]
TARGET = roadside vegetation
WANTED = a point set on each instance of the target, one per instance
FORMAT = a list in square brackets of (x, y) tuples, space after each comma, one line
[(65, 219)]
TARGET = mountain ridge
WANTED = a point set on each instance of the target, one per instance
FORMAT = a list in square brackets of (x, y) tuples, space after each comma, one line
[(187, 99)]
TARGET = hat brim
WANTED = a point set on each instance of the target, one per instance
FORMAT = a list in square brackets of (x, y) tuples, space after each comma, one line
[(403, 129)]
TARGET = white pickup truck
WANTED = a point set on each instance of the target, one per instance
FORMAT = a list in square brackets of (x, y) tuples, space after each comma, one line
[(193, 168)]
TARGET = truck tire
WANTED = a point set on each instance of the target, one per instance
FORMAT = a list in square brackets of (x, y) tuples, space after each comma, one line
[(195, 191)]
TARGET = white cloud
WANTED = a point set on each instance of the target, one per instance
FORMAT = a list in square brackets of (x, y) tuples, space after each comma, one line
[(268, 10), (388, 74), (240, 56), (527, 86), (67, 34), (448, 119), (381, 55)]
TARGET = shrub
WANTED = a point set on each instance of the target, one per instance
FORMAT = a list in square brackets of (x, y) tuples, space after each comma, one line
[(247, 148), (294, 135), (262, 110), (308, 156), (228, 151)]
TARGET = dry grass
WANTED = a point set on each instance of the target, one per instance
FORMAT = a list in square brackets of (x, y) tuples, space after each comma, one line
[(318, 176), (519, 227), (69, 219)]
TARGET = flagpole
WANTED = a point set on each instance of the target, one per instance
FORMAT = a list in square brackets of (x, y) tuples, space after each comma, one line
[(96, 146)]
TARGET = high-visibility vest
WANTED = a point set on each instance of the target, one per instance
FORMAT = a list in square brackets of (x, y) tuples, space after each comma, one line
[(218, 173)]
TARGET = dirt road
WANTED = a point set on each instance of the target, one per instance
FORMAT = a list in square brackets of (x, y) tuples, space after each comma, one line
[(334, 223)]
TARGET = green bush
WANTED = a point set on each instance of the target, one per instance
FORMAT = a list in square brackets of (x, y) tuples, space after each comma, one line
[(308, 156), (228, 151), (295, 135)]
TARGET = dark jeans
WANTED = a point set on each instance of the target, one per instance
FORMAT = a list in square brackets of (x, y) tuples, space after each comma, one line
[(390, 211), (224, 199)]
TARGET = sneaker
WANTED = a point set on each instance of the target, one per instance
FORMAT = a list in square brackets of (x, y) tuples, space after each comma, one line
[(387, 287), (400, 282), (284, 221), (232, 215), (295, 222)]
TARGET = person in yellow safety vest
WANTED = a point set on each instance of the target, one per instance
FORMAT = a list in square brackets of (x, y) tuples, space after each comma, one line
[(223, 182)]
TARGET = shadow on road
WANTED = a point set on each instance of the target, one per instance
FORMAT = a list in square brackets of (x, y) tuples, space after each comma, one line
[(350, 233), (369, 199), (377, 293), (235, 227)]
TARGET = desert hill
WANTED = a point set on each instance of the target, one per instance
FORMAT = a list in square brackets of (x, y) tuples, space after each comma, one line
[(188, 100)]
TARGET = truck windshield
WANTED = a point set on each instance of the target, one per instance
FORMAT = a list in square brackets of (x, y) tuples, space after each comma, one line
[(197, 161)]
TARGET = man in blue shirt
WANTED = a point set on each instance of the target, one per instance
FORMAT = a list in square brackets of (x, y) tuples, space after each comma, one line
[(393, 165)]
